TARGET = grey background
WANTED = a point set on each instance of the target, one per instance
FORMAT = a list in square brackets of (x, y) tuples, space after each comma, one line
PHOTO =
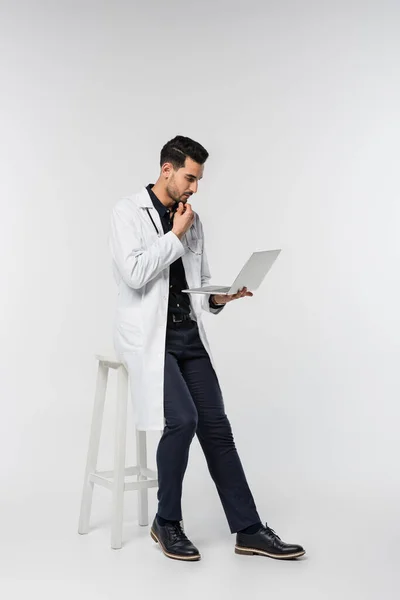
[(297, 103)]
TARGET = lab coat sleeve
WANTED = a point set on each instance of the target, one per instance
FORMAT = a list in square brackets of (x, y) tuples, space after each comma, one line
[(137, 265), (205, 279)]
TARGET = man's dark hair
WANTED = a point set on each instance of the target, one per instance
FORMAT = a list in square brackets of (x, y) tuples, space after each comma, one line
[(176, 150)]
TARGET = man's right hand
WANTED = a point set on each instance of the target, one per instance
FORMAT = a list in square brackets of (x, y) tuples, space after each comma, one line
[(183, 219)]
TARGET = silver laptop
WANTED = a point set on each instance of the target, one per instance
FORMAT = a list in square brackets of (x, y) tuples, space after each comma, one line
[(251, 275)]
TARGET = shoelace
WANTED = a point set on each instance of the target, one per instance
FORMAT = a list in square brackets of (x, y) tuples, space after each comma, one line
[(271, 531), (176, 532)]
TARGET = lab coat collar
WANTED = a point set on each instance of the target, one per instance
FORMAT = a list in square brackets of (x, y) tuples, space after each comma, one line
[(162, 210), (143, 198)]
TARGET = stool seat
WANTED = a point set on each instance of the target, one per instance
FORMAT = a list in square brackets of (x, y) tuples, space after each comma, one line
[(111, 361), (115, 480)]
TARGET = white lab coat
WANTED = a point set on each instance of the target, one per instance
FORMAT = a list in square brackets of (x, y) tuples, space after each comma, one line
[(141, 260)]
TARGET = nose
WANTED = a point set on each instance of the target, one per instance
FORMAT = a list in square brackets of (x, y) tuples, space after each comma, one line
[(193, 187)]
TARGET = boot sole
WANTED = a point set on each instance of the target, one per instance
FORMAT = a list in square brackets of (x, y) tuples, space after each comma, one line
[(249, 551), (174, 556)]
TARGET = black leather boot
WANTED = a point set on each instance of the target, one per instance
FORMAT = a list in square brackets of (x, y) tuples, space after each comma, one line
[(267, 543), (173, 541)]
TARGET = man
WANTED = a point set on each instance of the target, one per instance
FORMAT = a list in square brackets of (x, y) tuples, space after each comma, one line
[(157, 245)]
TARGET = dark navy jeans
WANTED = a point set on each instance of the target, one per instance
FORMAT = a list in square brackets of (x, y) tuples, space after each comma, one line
[(193, 403)]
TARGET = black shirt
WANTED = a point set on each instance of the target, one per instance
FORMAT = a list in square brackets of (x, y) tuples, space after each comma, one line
[(178, 301)]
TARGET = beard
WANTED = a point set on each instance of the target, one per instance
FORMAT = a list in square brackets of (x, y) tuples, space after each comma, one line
[(173, 193)]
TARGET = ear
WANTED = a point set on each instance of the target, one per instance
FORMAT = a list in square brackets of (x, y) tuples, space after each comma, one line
[(166, 170)]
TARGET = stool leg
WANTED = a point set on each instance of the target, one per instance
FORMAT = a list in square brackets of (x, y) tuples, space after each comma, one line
[(93, 451), (118, 487), (143, 497)]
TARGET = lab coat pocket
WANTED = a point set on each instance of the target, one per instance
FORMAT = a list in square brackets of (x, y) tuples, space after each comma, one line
[(130, 336), (192, 242)]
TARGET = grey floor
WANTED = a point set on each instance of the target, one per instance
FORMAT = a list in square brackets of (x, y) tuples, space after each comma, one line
[(351, 551)]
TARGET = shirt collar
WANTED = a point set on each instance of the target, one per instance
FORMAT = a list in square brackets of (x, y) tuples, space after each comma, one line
[(162, 210)]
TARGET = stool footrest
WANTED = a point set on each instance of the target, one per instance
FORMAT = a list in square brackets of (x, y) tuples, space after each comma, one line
[(140, 485), (128, 486), (105, 478), (100, 481), (129, 471), (149, 473)]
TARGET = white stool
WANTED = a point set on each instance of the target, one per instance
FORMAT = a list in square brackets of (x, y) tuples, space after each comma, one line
[(115, 480)]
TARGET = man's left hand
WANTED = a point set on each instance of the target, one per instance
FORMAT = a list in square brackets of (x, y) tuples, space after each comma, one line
[(224, 299)]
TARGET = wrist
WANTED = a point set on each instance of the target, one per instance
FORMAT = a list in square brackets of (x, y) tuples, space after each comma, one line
[(179, 234), (215, 301)]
